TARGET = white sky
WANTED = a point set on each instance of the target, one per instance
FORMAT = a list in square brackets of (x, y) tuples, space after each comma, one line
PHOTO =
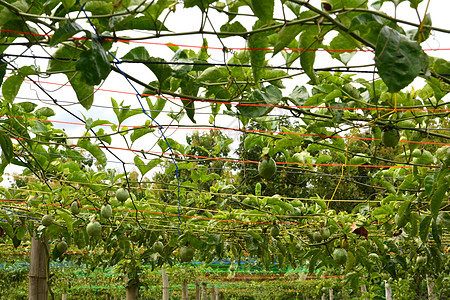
[(187, 20)]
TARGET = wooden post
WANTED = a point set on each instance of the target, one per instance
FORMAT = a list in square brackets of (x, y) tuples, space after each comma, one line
[(184, 291), (364, 292), (37, 276), (204, 291), (324, 297), (217, 294), (165, 281), (330, 293), (212, 294), (388, 290), (63, 297), (132, 292), (197, 289), (430, 287)]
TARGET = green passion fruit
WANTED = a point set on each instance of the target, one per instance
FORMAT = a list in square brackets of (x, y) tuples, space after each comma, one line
[(75, 208), (317, 237), (274, 231), (106, 211), (158, 247), (94, 229), (61, 246), (267, 167), (47, 220), (390, 137), (325, 233), (186, 253), (340, 256), (122, 194)]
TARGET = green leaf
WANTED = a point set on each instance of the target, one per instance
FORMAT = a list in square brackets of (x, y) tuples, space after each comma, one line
[(424, 227), (7, 147), (213, 75), (44, 112), (2, 71), (89, 124), (437, 198), (436, 232), (64, 32), (234, 27), (285, 37), (398, 59), (256, 106), (309, 42), (140, 132), (299, 95), (145, 168), (155, 109), (423, 35), (11, 87), (133, 23), (123, 112), (95, 150), (257, 43), (263, 9), (94, 64)]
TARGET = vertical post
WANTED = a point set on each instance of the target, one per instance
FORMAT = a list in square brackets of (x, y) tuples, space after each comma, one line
[(212, 294), (217, 294), (331, 294), (364, 292), (324, 296), (37, 276), (63, 297), (197, 289), (204, 291), (165, 282), (184, 290), (430, 287), (388, 290)]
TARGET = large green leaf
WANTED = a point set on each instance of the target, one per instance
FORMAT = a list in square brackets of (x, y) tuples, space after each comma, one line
[(94, 64), (64, 32), (398, 59), (11, 87), (145, 168), (7, 147), (285, 37), (2, 70), (257, 43), (263, 9), (83, 90), (309, 42), (94, 149), (437, 198)]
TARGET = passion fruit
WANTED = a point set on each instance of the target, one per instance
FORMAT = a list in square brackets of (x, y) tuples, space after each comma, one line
[(158, 247), (186, 253), (47, 220), (267, 167), (75, 208), (420, 260), (390, 137), (340, 256), (325, 233), (122, 194), (106, 211), (94, 229), (61, 246), (317, 236), (274, 231)]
